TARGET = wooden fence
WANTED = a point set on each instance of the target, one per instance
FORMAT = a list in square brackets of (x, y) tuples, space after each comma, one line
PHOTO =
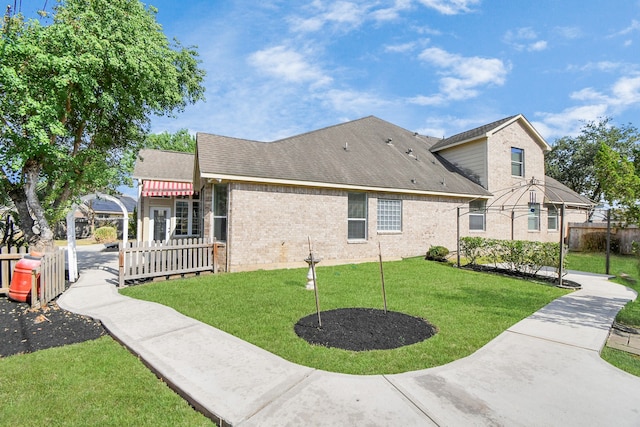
[(624, 236), (156, 259), (47, 281)]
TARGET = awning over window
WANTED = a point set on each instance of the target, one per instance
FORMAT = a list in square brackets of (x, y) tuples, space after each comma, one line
[(166, 188)]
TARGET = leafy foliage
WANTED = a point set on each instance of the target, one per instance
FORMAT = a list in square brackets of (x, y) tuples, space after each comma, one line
[(572, 160), (76, 94), (518, 255), (437, 253), (105, 234)]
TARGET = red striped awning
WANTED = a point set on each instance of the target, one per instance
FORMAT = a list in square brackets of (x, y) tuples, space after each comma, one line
[(152, 188)]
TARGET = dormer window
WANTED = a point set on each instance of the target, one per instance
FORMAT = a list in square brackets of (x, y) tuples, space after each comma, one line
[(517, 162)]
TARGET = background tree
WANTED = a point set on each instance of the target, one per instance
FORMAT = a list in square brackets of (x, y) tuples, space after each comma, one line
[(620, 182), (75, 95), (180, 141), (572, 159)]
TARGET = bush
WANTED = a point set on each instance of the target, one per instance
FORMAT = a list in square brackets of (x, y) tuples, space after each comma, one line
[(437, 253), (518, 255), (597, 242), (105, 235)]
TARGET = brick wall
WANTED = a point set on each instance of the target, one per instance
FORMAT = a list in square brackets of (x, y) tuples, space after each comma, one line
[(269, 227)]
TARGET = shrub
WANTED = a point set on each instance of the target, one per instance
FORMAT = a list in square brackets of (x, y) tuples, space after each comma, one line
[(105, 235), (472, 248), (597, 242), (437, 253)]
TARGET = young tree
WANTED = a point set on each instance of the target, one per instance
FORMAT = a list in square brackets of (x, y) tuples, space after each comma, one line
[(75, 95), (572, 159)]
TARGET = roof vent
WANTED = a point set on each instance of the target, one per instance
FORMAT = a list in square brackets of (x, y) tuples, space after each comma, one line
[(389, 140), (346, 146), (413, 181), (410, 152)]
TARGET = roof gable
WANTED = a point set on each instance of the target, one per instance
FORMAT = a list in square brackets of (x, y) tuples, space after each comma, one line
[(367, 153), (164, 165), (485, 131)]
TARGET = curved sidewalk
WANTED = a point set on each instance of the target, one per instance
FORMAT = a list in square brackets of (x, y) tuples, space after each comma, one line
[(544, 370)]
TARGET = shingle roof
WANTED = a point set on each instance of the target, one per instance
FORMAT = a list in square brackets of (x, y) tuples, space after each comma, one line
[(556, 192), (106, 206), (355, 153), (470, 134), (164, 165)]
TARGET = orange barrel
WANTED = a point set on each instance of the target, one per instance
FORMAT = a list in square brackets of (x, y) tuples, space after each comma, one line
[(20, 288)]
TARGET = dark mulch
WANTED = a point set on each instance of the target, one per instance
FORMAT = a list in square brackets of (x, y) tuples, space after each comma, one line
[(25, 330), (361, 329), (547, 280)]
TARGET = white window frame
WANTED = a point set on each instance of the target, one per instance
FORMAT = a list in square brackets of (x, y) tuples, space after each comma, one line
[(217, 218), (357, 219), (552, 214), (389, 216), (534, 214), (192, 220), (479, 211), (518, 163)]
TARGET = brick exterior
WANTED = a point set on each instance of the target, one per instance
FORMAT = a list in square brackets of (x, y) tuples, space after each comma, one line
[(269, 226)]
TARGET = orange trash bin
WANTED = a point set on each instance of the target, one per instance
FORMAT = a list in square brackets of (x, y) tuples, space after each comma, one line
[(20, 288)]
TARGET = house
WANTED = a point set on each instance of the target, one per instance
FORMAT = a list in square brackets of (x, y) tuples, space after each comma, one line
[(96, 213), (168, 207), (357, 186)]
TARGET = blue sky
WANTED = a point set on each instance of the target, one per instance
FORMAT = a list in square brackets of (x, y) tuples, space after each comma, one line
[(277, 68), (280, 68)]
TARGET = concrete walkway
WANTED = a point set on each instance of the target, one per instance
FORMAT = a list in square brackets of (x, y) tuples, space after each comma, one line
[(545, 370)]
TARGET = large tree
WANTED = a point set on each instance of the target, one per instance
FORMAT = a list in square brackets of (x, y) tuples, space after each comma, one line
[(76, 94), (572, 160)]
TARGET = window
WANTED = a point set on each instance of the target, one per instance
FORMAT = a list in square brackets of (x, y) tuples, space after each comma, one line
[(187, 217), (220, 212), (517, 161), (552, 218), (182, 218), (357, 220), (477, 210), (534, 216), (389, 215)]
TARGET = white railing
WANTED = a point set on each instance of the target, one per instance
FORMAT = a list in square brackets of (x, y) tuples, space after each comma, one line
[(156, 259)]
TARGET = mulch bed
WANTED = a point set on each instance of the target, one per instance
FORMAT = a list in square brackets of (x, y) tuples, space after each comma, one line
[(361, 329), (25, 330), (547, 280)]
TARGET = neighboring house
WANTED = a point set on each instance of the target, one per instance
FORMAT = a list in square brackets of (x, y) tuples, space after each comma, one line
[(349, 187), (168, 208), (97, 213)]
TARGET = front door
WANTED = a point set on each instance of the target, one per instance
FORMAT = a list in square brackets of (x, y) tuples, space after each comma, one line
[(159, 224)]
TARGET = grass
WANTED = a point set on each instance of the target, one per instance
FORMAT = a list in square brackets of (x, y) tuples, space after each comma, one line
[(630, 314), (93, 383), (468, 308)]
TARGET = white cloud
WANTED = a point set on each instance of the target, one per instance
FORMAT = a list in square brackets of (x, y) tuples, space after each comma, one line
[(525, 38), (450, 7), (342, 14), (289, 65), (569, 32), (569, 121), (353, 101), (393, 12), (623, 94), (462, 77), (634, 26)]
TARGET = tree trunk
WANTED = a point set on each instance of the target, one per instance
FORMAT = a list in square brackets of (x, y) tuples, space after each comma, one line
[(42, 239)]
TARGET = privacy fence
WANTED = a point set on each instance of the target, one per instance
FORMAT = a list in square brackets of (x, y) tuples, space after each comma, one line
[(143, 260), (47, 281)]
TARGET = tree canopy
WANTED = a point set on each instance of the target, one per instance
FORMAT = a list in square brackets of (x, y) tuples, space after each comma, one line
[(76, 94), (572, 159), (602, 163)]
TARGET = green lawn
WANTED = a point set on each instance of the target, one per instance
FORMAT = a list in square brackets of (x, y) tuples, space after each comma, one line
[(468, 308), (596, 263), (93, 383)]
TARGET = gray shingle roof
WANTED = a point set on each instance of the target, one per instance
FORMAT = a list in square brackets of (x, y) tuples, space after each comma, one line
[(470, 134), (163, 165), (556, 192), (351, 154)]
